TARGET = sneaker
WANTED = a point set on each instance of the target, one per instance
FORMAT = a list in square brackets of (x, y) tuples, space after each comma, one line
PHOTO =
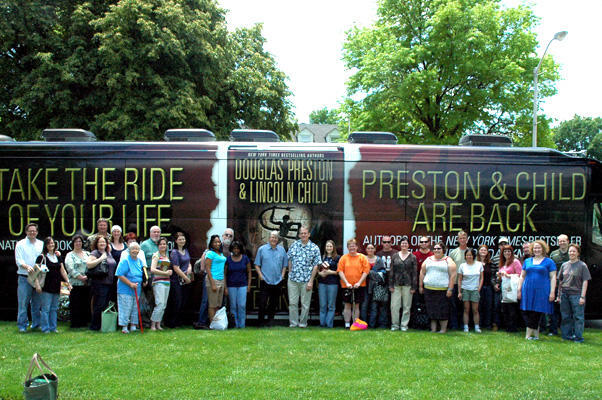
[(394, 328), (22, 330), (465, 329), (551, 334), (132, 329), (477, 330), (125, 330), (302, 325), (347, 325), (532, 338), (293, 325), (404, 328)]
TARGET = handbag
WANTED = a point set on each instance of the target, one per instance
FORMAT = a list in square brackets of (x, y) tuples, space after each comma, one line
[(41, 387), (109, 319), (380, 293), (101, 271), (38, 275)]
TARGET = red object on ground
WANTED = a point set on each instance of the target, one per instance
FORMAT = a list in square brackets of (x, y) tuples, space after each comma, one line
[(139, 315)]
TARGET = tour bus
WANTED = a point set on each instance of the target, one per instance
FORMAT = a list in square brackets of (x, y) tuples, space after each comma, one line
[(339, 190)]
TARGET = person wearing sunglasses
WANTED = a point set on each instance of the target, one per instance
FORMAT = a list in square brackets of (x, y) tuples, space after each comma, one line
[(437, 277)]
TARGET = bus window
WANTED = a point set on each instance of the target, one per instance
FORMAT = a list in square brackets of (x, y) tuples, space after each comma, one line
[(597, 224)]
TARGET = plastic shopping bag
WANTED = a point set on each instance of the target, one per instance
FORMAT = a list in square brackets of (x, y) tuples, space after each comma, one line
[(510, 289), (220, 320)]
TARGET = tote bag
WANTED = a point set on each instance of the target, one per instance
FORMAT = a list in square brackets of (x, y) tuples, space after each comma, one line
[(109, 319), (41, 387)]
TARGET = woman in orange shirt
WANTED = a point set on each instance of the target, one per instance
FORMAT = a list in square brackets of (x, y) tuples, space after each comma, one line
[(353, 269)]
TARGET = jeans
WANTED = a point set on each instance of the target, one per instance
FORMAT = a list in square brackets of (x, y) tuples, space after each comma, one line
[(365, 307), (27, 295), (572, 317), (400, 296), (100, 296), (128, 311), (50, 306), (378, 314), (296, 291), (486, 306), (204, 309), (328, 298), (269, 295), (161, 292), (238, 304)]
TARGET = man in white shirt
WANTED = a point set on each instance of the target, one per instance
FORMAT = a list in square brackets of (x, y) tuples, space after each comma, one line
[(26, 252)]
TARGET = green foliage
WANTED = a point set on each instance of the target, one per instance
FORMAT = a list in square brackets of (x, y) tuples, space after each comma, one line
[(131, 69), (522, 132), (595, 147), (577, 134), (262, 94), (324, 116), (431, 70), (283, 363)]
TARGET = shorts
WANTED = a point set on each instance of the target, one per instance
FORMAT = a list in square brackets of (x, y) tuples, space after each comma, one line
[(471, 295), (354, 295), (216, 298)]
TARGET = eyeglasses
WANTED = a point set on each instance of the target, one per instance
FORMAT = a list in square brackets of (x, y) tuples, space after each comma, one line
[(424, 241), (386, 241), (228, 234), (437, 248)]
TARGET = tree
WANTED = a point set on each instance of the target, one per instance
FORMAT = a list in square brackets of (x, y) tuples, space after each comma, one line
[(262, 93), (577, 134), (324, 116), (595, 147), (431, 70), (130, 69), (522, 135)]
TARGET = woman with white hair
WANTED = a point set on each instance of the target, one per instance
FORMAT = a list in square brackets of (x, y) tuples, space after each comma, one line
[(129, 272)]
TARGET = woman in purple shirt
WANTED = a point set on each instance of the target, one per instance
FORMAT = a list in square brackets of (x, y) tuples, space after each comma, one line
[(237, 274), (179, 290), (101, 287)]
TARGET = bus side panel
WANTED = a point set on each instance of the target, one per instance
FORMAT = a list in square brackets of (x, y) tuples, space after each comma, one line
[(66, 195)]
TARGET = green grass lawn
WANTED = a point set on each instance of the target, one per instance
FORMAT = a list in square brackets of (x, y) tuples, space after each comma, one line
[(311, 363)]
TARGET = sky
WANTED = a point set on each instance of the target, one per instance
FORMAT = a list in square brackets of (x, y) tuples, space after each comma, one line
[(306, 40)]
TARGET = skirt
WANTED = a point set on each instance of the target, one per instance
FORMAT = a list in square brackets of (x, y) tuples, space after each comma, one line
[(437, 304)]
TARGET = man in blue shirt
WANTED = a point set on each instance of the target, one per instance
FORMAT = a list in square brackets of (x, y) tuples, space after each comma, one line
[(26, 252), (303, 259), (270, 263)]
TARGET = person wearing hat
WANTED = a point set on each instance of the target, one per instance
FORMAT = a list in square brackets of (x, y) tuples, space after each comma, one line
[(501, 242)]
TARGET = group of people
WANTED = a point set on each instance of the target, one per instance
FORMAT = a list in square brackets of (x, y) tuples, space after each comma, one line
[(480, 285), (107, 266)]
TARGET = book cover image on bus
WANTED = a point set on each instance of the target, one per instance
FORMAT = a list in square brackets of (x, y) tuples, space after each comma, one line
[(283, 190)]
